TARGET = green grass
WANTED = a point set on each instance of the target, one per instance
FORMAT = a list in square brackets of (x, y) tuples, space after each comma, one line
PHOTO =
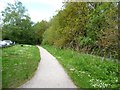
[(0, 69), (87, 71), (18, 64)]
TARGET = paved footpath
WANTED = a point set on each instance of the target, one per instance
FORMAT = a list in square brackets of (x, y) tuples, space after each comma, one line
[(50, 74)]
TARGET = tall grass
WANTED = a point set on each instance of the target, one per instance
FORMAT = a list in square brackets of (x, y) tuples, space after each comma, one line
[(87, 71)]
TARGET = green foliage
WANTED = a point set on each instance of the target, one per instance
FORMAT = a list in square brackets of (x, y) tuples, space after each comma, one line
[(17, 25), (87, 71), (39, 28), (18, 64), (88, 27), (52, 34)]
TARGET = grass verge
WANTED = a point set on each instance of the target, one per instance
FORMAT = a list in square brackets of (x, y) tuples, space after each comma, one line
[(87, 71), (0, 69), (18, 64)]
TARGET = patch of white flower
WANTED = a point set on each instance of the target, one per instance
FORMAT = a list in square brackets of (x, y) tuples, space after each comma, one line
[(72, 69), (27, 45), (96, 83), (82, 72), (89, 75)]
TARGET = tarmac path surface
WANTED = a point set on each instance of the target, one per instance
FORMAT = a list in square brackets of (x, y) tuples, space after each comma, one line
[(50, 74)]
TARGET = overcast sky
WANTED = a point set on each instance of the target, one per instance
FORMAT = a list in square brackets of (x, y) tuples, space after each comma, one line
[(38, 9)]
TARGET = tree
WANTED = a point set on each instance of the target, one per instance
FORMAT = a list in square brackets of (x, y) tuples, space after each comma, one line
[(88, 27), (39, 28), (68, 24), (101, 28), (17, 25)]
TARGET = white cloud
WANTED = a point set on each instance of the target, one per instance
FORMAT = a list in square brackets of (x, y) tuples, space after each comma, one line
[(52, 2), (36, 16), (41, 12), (3, 4)]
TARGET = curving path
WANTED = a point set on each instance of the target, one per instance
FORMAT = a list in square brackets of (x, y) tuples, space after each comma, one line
[(49, 74)]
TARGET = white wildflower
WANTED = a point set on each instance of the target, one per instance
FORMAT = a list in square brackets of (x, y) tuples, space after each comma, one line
[(72, 69)]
